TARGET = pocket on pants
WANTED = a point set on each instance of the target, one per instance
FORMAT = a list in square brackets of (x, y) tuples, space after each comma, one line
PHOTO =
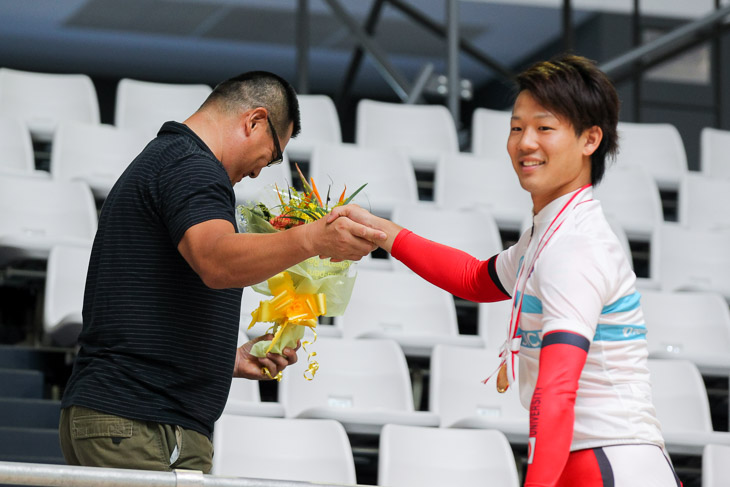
[(100, 425)]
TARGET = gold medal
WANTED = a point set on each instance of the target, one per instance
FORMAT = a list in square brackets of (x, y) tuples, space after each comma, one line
[(502, 380)]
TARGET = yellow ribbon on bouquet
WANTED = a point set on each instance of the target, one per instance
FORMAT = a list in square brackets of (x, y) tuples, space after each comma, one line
[(289, 309)]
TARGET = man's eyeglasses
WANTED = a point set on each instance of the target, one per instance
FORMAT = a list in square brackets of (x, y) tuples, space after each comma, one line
[(278, 157)]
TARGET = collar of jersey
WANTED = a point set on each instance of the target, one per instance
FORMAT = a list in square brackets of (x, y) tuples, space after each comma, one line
[(547, 214)]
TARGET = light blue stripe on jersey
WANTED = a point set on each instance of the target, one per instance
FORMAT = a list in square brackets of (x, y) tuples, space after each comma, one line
[(616, 333), (627, 303), (604, 332), (530, 304)]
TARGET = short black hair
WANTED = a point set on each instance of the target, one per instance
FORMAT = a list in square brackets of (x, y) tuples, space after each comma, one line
[(573, 87), (255, 89)]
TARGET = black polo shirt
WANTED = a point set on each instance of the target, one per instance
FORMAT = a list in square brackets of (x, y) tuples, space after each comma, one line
[(157, 343)]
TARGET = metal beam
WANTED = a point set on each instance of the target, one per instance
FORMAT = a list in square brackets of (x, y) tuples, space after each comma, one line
[(452, 59), (567, 26), (637, 39), (716, 66), (622, 66), (465, 45), (357, 56), (392, 76), (676, 50), (303, 46), (420, 83)]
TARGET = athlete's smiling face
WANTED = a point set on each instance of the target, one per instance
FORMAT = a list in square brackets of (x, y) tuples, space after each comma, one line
[(549, 158)]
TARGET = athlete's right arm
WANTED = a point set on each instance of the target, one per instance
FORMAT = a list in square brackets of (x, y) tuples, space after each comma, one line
[(448, 268), (451, 269)]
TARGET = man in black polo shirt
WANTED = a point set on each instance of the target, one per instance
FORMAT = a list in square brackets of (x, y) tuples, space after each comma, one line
[(163, 292)]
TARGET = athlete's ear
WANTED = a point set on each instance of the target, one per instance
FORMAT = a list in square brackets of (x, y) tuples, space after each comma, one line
[(592, 138)]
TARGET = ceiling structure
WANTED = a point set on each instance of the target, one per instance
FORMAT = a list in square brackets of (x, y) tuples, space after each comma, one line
[(210, 40)]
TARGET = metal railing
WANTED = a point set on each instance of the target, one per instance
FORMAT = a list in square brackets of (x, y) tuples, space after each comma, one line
[(45, 475)]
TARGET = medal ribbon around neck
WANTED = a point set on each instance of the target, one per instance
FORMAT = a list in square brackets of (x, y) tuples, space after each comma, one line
[(511, 347)]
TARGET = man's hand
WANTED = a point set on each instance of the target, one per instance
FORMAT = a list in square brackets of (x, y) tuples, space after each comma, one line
[(363, 217), (343, 238), (251, 367)]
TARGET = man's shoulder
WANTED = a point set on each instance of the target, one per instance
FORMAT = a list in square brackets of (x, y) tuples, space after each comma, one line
[(173, 156), (174, 146)]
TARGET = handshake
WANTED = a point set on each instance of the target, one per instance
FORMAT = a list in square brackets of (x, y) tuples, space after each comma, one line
[(351, 232)]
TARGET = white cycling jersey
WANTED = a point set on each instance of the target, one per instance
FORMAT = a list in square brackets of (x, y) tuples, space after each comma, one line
[(582, 282)]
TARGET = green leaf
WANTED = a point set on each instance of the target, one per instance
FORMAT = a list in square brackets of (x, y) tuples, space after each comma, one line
[(354, 194)]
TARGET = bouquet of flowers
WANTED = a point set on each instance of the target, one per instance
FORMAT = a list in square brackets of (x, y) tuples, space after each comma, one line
[(315, 287)]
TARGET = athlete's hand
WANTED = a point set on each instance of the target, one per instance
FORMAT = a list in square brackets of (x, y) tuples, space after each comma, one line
[(362, 216)]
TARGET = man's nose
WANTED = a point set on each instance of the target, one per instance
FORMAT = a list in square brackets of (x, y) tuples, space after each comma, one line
[(528, 140)]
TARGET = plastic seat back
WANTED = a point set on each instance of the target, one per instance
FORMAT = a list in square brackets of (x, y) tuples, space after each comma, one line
[(389, 176), (97, 154), (320, 124), (468, 181), (422, 132), (314, 450), (64, 293), (679, 396), (473, 231), (412, 456), (16, 147), (36, 214), (145, 105), (657, 147), (714, 147), (363, 374), (680, 323), (715, 465), (489, 132), (457, 392), (43, 100), (399, 304), (703, 202)]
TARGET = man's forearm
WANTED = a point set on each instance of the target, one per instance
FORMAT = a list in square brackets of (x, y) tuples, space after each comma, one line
[(239, 260)]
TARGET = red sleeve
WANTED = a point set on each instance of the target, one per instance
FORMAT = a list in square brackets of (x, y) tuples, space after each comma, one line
[(552, 414), (453, 270)]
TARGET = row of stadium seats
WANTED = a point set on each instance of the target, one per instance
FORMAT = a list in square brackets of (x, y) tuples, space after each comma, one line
[(43, 100), (317, 416), (398, 304), (425, 136), (37, 214), (318, 450), (364, 386), (423, 132), (99, 154)]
